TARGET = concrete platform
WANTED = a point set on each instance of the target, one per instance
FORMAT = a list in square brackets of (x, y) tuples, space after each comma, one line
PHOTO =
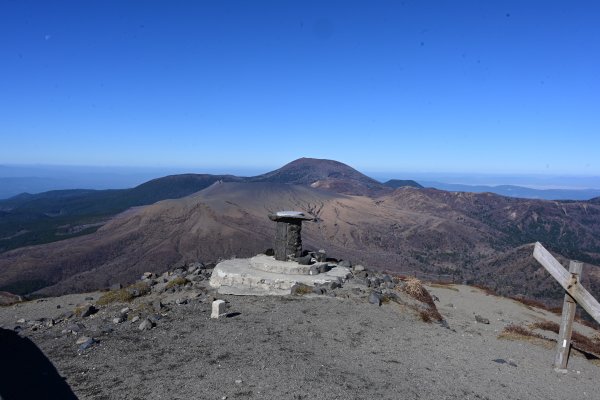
[(241, 277)]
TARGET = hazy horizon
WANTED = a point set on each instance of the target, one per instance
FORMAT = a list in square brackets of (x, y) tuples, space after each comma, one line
[(117, 177)]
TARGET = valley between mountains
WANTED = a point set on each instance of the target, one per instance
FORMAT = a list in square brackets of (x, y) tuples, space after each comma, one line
[(483, 239)]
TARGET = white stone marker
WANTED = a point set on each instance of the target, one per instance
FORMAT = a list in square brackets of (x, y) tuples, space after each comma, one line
[(218, 309)]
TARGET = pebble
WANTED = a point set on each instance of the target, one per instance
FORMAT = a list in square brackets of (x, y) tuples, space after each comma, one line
[(375, 298), (88, 310), (146, 325), (358, 268), (87, 344), (82, 339)]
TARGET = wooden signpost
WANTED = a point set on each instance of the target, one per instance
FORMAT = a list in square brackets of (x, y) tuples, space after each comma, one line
[(571, 282)]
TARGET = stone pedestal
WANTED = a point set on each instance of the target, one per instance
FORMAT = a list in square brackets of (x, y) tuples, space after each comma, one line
[(288, 234)]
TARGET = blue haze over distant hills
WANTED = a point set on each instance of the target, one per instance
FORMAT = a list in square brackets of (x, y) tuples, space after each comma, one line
[(16, 179)]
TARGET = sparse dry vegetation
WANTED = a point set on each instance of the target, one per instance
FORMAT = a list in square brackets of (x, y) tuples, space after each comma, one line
[(449, 286), (519, 332), (487, 290), (580, 341), (179, 281), (414, 288), (301, 289), (531, 303), (124, 295)]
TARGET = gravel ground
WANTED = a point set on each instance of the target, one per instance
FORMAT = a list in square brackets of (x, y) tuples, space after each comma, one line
[(307, 347)]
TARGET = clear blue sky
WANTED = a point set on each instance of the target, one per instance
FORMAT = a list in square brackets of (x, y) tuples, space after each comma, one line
[(463, 86)]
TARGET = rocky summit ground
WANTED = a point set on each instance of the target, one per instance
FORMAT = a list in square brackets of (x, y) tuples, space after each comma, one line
[(365, 340)]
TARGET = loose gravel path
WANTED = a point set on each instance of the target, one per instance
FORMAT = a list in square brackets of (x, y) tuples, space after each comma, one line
[(311, 347)]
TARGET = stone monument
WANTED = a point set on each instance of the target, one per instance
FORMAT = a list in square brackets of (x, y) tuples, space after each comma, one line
[(264, 275), (288, 234)]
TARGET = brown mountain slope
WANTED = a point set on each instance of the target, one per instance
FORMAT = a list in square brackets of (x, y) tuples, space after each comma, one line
[(325, 174), (473, 237)]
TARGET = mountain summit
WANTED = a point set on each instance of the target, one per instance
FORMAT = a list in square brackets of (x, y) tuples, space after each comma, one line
[(326, 174)]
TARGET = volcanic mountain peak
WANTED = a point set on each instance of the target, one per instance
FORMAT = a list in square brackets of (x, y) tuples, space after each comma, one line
[(328, 174), (305, 171)]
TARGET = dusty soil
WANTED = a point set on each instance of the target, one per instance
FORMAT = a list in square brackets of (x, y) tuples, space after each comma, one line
[(308, 347)]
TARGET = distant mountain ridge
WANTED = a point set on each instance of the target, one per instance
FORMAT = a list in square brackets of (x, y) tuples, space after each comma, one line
[(398, 183), (517, 191), (462, 236), (28, 219), (59, 214)]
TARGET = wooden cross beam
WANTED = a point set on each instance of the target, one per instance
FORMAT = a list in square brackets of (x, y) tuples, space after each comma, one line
[(573, 287), (570, 281)]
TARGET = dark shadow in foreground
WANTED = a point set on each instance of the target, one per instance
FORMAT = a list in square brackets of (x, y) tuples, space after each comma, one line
[(26, 373)]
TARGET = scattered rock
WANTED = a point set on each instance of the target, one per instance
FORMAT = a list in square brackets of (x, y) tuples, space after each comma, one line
[(319, 290), (362, 281), (358, 268), (306, 260), (375, 298), (88, 310), (89, 298), (146, 325), (181, 301), (67, 315), (481, 319), (345, 264), (21, 321), (119, 319), (82, 339), (158, 306), (135, 319), (75, 328), (321, 256), (147, 275), (503, 361), (89, 342)]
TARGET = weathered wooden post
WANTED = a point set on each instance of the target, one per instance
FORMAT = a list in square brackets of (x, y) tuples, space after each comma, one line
[(566, 322), (288, 233), (575, 292)]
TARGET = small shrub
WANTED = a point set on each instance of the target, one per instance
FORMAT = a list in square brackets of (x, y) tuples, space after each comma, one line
[(580, 341), (531, 303), (78, 310), (301, 289), (487, 290), (179, 281), (416, 290), (124, 295), (518, 332), (546, 326), (449, 286)]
